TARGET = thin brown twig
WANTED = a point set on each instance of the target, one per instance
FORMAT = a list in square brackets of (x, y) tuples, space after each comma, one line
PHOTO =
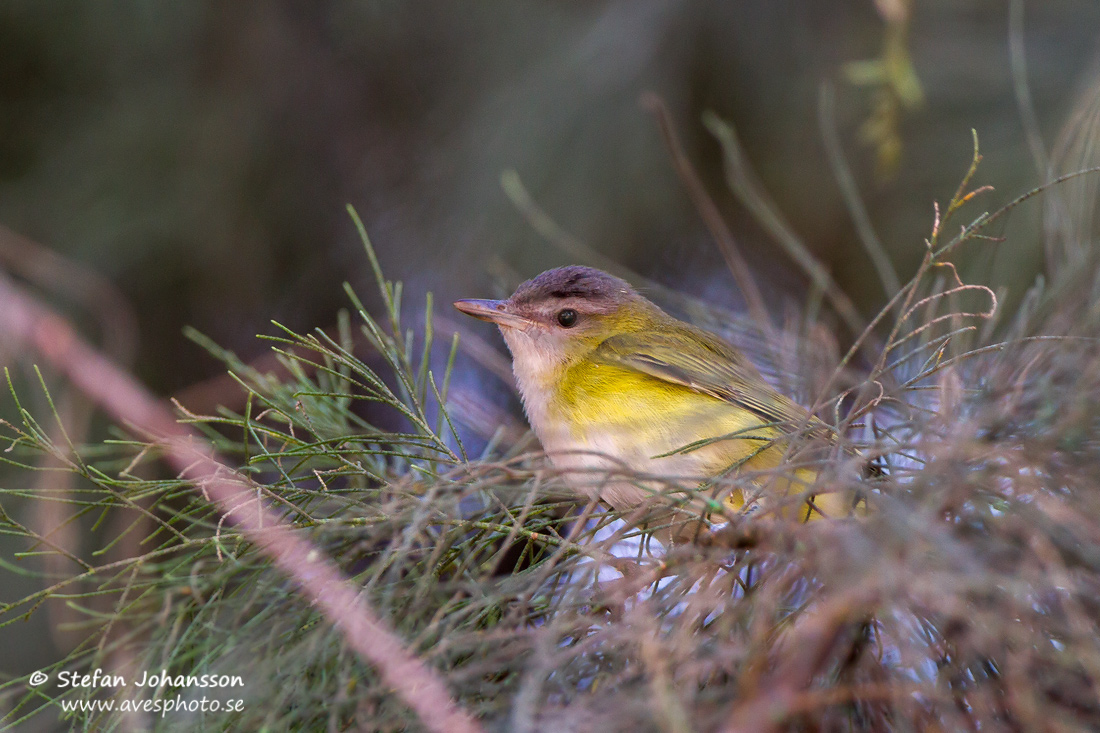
[(31, 326), (984, 221), (708, 210), (743, 182)]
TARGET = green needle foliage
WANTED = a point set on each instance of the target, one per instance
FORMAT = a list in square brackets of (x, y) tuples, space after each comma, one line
[(967, 598)]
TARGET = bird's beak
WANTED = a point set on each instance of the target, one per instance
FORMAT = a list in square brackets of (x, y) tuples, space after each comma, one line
[(494, 311)]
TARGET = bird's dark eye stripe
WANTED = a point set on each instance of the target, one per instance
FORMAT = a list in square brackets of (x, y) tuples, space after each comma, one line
[(563, 293), (567, 317)]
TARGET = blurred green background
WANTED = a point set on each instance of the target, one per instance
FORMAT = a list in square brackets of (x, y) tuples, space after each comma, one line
[(199, 155)]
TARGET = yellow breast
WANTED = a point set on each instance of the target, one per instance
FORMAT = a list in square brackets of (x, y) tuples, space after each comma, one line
[(651, 417), (658, 427)]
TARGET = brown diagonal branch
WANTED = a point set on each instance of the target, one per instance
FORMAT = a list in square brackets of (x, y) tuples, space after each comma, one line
[(29, 326), (708, 210)]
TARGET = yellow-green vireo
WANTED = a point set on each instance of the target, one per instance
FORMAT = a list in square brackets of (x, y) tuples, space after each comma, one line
[(610, 382)]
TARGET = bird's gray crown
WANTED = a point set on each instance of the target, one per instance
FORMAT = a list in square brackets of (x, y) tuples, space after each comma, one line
[(573, 281)]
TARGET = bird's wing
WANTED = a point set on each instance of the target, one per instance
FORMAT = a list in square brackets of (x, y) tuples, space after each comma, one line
[(704, 363)]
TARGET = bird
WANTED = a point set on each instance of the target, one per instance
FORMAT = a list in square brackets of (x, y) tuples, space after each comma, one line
[(626, 399)]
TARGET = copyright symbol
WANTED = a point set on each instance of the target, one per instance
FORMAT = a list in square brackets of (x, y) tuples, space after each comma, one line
[(37, 678)]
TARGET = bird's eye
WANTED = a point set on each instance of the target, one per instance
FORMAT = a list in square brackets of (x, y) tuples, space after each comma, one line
[(567, 317)]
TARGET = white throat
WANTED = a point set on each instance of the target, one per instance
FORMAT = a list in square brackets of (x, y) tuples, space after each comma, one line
[(535, 365)]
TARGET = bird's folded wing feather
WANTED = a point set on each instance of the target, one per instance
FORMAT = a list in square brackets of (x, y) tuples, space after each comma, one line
[(704, 363)]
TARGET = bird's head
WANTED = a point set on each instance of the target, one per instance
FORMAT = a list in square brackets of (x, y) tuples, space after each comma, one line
[(563, 314)]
